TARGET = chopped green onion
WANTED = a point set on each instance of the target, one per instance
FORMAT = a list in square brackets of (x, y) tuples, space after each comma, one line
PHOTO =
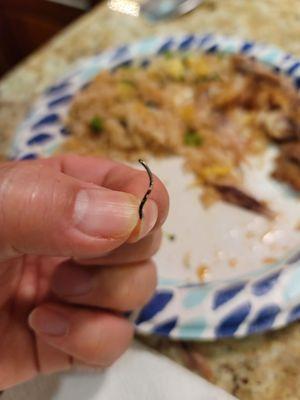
[(171, 236), (214, 77), (96, 124), (128, 82), (193, 139)]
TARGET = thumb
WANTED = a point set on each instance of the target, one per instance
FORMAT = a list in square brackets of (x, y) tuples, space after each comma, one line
[(45, 212)]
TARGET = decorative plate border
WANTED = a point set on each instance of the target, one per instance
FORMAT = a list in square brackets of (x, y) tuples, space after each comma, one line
[(267, 299)]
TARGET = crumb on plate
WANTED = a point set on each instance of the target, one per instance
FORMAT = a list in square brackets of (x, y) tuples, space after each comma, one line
[(270, 260), (202, 272), (171, 237), (232, 262), (220, 254), (250, 234)]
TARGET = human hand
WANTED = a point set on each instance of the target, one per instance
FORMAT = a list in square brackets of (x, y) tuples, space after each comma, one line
[(73, 256)]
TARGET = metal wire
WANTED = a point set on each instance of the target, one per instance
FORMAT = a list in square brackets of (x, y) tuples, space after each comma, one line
[(147, 194)]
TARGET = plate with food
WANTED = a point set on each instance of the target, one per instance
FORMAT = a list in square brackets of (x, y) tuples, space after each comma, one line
[(216, 118)]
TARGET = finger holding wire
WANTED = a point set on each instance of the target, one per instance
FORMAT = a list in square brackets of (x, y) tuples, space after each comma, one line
[(123, 178)]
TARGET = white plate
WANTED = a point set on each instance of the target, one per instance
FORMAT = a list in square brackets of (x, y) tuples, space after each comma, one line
[(243, 293)]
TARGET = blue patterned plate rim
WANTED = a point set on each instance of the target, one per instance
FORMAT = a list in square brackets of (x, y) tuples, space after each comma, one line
[(252, 303)]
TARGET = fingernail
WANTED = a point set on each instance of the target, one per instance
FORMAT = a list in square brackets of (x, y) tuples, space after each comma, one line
[(105, 213), (48, 322), (147, 223), (73, 282)]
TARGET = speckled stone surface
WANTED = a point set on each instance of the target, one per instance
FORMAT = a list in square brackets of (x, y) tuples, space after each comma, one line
[(264, 367)]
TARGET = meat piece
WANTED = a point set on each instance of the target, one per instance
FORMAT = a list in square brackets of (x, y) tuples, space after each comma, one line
[(288, 165), (292, 152), (256, 70), (266, 90), (279, 127), (233, 195), (288, 172)]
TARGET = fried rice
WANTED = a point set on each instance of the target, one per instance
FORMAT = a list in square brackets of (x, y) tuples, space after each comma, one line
[(213, 110)]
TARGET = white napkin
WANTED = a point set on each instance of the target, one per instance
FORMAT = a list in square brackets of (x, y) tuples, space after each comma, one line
[(139, 375)]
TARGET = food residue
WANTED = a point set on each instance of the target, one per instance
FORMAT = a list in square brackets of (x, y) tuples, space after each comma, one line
[(250, 234), (171, 237), (219, 254), (96, 124), (202, 272), (270, 260), (232, 262), (187, 260), (193, 139)]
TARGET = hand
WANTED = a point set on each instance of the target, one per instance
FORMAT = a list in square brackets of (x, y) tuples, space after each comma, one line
[(73, 256)]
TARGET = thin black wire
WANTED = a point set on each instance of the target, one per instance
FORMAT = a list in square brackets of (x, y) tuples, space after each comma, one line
[(147, 194)]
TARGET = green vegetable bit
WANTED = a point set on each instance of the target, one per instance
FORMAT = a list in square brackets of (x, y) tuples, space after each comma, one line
[(193, 139), (128, 82), (96, 124), (214, 77), (171, 236)]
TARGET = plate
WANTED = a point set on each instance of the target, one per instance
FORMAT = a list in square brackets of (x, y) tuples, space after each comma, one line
[(245, 293)]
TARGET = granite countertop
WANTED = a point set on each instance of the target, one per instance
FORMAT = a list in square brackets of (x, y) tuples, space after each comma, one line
[(262, 367)]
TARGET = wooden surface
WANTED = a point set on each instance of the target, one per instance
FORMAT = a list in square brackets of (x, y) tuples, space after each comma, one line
[(26, 25)]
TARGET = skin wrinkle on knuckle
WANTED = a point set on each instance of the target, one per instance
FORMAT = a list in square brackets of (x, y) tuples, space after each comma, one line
[(56, 203), (7, 176), (62, 206), (33, 200)]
